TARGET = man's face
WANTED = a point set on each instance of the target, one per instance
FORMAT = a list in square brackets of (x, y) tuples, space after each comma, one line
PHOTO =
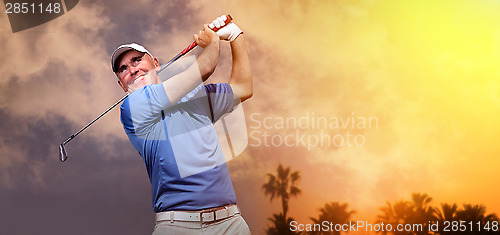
[(133, 64)]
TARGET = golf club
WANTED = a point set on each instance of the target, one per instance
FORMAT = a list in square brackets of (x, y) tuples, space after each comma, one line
[(62, 151)]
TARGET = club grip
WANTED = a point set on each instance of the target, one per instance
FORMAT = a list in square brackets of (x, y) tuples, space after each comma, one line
[(194, 44), (227, 21)]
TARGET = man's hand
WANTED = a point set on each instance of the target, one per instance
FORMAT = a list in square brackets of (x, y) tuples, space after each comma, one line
[(206, 37), (150, 77), (179, 85), (207, 61), (228, 32)]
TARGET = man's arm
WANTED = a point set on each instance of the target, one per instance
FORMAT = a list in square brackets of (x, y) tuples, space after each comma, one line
[(241, 75), (181, 84)]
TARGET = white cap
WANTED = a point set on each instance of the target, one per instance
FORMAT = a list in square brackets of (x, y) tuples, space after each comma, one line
[(124, 48)]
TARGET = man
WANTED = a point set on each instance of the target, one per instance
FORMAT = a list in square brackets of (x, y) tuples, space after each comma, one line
[(170, 124)]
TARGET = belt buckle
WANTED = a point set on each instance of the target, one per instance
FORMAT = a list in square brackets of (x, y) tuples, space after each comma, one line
[(207, 212)]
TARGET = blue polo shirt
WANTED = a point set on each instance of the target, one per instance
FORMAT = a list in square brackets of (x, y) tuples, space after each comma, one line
[(179, 145)]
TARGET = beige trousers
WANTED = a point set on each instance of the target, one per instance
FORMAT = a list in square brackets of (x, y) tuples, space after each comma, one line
[(234, 225)]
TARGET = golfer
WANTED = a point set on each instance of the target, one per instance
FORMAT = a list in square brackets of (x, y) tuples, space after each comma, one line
[(170, 124)]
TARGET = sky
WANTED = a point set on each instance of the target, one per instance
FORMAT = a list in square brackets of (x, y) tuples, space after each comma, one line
[(370, 100)]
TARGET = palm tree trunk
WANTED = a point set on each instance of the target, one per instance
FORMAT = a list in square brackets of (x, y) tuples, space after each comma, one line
[(284, 203)]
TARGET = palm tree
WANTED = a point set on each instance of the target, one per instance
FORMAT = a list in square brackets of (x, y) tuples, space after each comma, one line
[(415, 212), (335, 213), (421, 212), (283, 185), (281, 225), (447, 213), (474, 214), (395, 214)]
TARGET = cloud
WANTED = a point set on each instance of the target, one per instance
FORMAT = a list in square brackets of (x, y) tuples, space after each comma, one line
[(376, 59), (55, 80)]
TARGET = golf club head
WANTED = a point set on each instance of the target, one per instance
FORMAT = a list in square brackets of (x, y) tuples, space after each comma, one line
[(62, 153)]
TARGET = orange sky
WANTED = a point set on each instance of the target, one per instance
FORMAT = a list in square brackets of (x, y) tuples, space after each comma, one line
[(427, 70)]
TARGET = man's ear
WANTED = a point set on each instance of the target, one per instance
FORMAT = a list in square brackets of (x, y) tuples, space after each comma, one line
[(123, 87), (157, 64)]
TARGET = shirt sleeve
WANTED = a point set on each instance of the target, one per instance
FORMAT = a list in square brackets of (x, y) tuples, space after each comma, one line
[(220, 99), (143, 108)]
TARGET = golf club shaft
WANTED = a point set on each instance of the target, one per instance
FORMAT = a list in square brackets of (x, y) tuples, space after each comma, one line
[(95, 119), (62, 150), (183, 52)]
